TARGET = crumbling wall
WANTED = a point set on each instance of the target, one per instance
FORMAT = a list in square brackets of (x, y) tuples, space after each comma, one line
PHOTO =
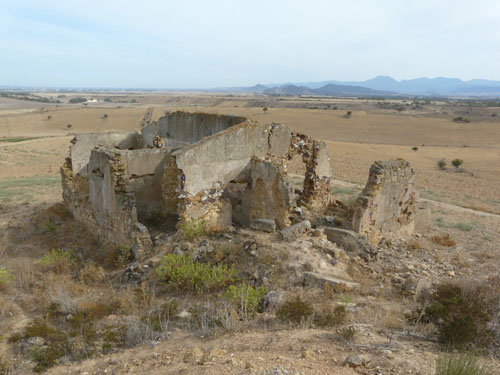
[(317, 179), (102, 201), (183, 128), (386, 206), (83, 144), (203, 170)]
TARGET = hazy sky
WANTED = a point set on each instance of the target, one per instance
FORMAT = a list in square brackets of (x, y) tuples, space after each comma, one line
[(210, 43)]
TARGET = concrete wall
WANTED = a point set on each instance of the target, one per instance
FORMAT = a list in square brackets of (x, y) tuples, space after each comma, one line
[(182, 128), (223, 157), (83, 144)]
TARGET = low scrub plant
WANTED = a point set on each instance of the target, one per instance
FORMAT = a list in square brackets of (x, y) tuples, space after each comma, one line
[(444, 240), (4, 277), (461, 315), (193, 229), (245, 298), (441, 164), (459, 364), (330, 317), (58, 260), (296, 310), (188, 275)]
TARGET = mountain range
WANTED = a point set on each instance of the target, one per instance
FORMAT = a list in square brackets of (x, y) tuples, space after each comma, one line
[(383, 86)]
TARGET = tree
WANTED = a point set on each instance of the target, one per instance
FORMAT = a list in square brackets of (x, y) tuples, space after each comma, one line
[(457, 163), (349, 113), (415, 148), (441, 164), (265, 109)]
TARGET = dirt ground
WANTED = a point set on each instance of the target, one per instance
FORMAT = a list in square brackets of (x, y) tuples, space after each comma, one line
[(34, 140)]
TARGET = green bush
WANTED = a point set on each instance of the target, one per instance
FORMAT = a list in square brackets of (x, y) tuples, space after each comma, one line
[(458, 364), (457, 162), (58, 260), (460, 315), (193, 229), (295, 310), (245, 298), (186, 274), (56, 344), (4, 277), (441, 164)]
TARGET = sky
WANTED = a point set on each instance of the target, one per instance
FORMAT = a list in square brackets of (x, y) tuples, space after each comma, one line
[(221, 43)]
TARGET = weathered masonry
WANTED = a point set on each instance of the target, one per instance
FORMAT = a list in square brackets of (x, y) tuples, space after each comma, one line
[(216, 168)]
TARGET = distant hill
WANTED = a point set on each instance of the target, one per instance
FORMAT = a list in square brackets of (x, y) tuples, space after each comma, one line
[(384, 86), (329, 89)]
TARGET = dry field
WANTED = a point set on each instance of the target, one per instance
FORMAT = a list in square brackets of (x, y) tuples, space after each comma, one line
[(34, 140)]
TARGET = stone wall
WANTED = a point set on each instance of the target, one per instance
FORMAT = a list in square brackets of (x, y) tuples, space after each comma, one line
[(386, 207), (183, 128), (83, 144), (226, 170), (102, 201)]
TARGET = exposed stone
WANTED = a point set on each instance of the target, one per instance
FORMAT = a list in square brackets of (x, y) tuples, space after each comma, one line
[(351, 242), (320, 280), (295, 231), (266, 225), (386, 207)]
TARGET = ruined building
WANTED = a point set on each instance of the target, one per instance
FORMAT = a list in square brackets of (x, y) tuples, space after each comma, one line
[(219, 170), (216, 168)]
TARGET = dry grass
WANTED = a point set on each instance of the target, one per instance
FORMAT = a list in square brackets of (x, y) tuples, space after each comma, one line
[(444, 240)]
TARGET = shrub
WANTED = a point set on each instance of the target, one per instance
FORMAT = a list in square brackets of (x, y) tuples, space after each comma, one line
[(330, 317), (457, 162), (188, 275), (49, 226), (265, 109), (415, 148), (441, 164), (458, 364), (4, 277), (69, 126), (295, 310), (444, 240), (56, 344), (58, 261), (347, 333), (460, 315), (461, 119), (193, 229), (245, 298), (77, 100)]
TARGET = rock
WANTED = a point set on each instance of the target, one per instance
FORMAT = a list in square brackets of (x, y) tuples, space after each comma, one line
[(272, 300), (266, 225), (329, 219), (353, 361), (450, 273), (298, 210), (308, 266), (320, 280), (318, 232), (249, 365), (351, 242), (295, 231), (37, 341), (133, 274)]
